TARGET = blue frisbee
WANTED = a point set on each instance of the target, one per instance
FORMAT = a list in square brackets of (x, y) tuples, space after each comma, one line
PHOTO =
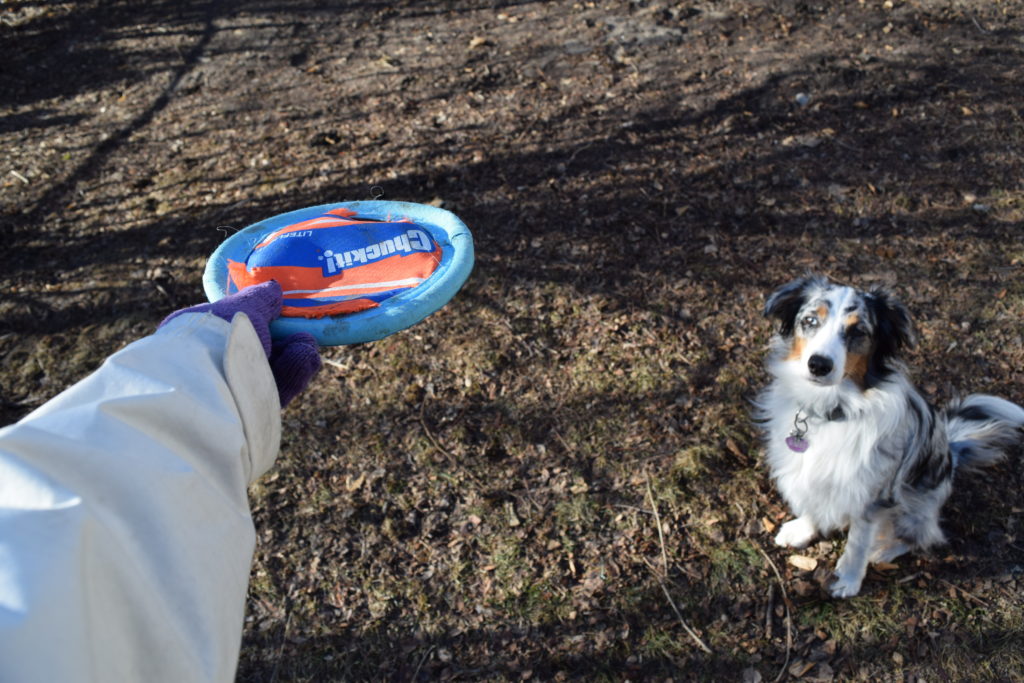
[(351, 272)]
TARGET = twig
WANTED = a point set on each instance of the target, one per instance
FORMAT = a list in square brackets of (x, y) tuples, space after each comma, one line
[(973, 597), (909, 577), (785, 602), (572, 157), (334, 363), (661, 579), (700, 643), (430, 435), (280, 649), (529, 496), (846, 146), (657, 521), (419, 666), (980, 27), (441, 449)]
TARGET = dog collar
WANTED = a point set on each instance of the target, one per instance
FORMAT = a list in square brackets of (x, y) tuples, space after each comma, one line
[(797, 441), (835, 415)]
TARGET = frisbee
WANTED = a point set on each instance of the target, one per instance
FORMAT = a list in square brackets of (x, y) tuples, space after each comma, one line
[(350, 272)]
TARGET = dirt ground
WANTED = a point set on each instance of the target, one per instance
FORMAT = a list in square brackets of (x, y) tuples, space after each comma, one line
[(556, 476)]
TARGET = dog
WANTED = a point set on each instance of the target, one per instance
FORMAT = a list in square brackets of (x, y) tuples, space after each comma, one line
[(850, 442)]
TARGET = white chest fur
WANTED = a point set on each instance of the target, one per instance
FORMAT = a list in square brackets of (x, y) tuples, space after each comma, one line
[(832, 479), (842, 471)]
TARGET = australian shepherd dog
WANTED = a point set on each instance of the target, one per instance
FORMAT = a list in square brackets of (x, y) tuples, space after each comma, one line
[(850, 441)]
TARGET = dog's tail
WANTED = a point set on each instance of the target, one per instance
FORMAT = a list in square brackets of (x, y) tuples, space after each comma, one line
[(981, 429)]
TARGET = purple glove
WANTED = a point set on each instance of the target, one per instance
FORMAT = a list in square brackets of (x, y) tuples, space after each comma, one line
[(293, 360)]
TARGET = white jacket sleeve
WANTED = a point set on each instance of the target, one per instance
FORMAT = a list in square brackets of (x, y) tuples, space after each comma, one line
[(125, 533)]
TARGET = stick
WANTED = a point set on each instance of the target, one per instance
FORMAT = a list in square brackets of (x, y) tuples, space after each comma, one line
[(284, 640), (980, 27), (441, 449), (419, 666), (966, 594), (657, 521), (785, 602), (661, 581)]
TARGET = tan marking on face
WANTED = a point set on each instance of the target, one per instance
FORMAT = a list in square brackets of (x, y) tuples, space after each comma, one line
[(797, 350), (822, 312), (856, 368), (852, 320)]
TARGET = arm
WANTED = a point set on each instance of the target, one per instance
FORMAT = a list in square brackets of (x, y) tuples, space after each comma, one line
[(125, 533)]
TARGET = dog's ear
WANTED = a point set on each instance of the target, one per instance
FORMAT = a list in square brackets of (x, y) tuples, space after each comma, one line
[(894, 327), (786, 301)]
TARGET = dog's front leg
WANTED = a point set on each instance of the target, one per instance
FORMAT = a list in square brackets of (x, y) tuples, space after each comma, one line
[(853, 564)]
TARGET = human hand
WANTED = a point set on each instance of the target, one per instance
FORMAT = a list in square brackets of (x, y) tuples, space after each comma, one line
[(294, 360)]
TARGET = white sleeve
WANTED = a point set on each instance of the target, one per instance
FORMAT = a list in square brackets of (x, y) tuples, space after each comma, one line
[(125, 532)]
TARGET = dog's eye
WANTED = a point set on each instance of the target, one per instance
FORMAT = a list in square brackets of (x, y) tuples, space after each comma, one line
[(809, 321)]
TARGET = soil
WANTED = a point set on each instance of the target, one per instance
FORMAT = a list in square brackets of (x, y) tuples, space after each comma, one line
[(556, 476)]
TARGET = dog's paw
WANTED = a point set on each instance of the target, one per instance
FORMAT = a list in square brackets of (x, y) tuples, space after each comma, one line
[(796, 533), (845, 586)]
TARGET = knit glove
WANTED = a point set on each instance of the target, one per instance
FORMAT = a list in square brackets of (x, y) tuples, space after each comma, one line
[(294, 360)]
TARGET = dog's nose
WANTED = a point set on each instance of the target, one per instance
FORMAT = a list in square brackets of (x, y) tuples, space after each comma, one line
[(819, 365)]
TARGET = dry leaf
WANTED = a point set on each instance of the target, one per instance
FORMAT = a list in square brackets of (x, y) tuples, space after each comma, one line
[(510, 510), (800, 667), (355, 484), (808, 564)]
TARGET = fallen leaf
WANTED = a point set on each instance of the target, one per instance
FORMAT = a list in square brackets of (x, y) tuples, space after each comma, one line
[(734, 448), (510, 510), (808, 564), (799, 668)]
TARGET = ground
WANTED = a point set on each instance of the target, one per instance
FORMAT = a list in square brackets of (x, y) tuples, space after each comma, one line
[(556, 476)]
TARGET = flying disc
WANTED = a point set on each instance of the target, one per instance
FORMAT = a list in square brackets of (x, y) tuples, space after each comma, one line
[(350, 272)]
